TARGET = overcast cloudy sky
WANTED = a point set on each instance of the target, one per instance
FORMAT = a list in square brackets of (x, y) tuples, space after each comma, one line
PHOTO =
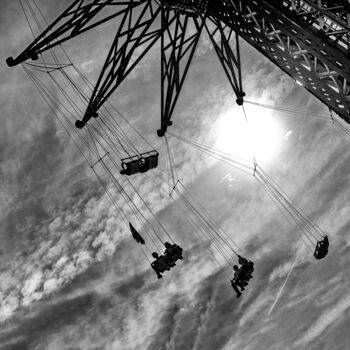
[(72, 278)]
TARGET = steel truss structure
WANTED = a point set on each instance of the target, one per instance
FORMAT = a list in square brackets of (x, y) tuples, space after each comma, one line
[(307, 39)]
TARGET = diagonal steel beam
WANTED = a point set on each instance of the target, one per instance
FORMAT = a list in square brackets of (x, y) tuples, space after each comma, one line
[(178, 44), (76, 19), (229, 55), (139, 29), (291, 43)]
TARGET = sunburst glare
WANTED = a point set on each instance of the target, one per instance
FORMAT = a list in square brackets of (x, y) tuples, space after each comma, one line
[(260, 136)]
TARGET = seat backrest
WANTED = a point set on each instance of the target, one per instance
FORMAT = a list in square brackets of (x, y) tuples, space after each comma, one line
[(133, 166), (320, 252), (152, 161), (143, 166)]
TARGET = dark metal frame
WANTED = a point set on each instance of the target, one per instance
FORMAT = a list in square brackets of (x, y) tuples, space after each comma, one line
[(307, 39), (177, 50), (295, 44), (135, 30), (229, 55), (75, 20)]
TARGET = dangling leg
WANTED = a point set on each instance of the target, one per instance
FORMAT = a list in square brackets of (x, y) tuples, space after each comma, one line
[(241, 284), (235, 288), (156, 270)]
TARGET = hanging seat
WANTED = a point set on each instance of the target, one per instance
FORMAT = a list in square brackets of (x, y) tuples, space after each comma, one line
[(139, 163), (321, 249), (247, 271), (130, 165), (172, 253), (149, 161), (159, 265)]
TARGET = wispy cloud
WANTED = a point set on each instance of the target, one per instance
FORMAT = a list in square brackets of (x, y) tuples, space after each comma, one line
[(329, 318)]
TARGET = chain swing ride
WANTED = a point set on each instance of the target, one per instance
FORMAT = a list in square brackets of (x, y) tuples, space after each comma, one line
[(115, 155)]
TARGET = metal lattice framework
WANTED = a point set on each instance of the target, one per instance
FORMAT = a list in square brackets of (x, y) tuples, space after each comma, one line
[(307, 39)]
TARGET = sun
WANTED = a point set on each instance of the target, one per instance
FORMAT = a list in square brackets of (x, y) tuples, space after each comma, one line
[(261, 136)]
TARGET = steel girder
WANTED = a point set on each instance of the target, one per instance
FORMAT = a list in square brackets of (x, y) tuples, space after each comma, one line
[(307, 39), (78, 18), (178, 45), (228, 54), (136, 34), (275, 29)]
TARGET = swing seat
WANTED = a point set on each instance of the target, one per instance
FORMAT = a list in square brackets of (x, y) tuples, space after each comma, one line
[(249, 267), (139, 163), (320, 252), (321, 249), (131, 165), (160, 264), (173, 252), (149, 160)]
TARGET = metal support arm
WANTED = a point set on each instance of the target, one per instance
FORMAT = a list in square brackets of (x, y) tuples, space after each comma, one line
[(229, 58), (136, 34), (76, 19), (276, 30), (178, 45)]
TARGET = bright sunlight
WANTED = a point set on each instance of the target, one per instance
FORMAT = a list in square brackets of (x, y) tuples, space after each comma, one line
[(261, 136)]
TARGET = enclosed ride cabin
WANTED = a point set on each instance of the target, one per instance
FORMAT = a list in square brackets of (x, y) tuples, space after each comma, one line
[(139, 163), (321, 249)]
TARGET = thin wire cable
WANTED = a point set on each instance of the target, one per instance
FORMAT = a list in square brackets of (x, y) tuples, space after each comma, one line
[(304, 224), (251, 139), (319, 116)]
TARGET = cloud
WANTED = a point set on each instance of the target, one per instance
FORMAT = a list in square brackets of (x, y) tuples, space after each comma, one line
[(330, 318), (256, 309), (9, 304), (229, 178), (87, 66), (288, 134)]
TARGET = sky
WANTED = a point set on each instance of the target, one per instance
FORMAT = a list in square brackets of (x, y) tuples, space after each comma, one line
[(71, 277)]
